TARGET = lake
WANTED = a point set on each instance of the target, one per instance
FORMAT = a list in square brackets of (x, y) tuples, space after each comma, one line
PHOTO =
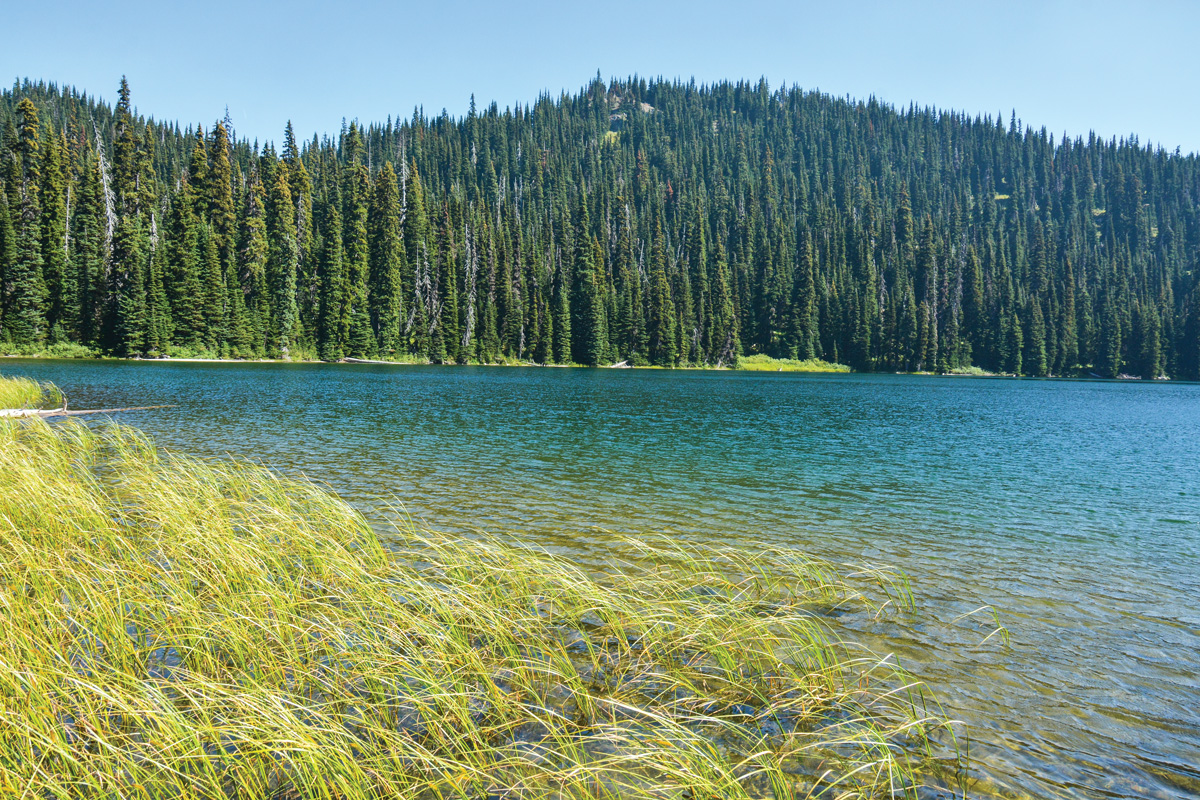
[(1071, 508)]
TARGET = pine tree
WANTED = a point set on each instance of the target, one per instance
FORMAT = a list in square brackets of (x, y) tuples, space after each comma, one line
[(589, 344), (660, 320), (59, 279), (253, 253), (308, 281), (356, 191), (283, 256), (561, 289), (182, 278), (330, 330), (158, 310), (218, 190), (447, 288), (25, 294), (628, 327), (386, 252), (88, 254), (699, 282), (214, 290), (1108, 355), (129, 287), (8, 258), (1150, 356), (238, 331), (416, 256), (726, 341), (126, 164), (1035, 360)]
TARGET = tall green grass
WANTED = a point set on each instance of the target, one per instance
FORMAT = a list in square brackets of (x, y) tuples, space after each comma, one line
[(764, 363), (22, 393), (183, 629)]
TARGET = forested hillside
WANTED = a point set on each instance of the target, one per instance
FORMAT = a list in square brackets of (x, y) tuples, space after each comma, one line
[(643, 221)]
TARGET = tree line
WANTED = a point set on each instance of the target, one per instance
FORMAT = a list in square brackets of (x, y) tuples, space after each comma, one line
[(651, 222)]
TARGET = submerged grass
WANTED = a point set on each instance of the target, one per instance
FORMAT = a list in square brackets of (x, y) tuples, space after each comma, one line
[(764, 363), (184, 629)]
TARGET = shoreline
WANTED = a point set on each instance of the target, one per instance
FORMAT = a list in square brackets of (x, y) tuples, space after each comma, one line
[(825, 368), (780, 367)]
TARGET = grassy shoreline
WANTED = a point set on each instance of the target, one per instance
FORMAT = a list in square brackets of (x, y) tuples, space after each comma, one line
[(754, 363), (191, 629)]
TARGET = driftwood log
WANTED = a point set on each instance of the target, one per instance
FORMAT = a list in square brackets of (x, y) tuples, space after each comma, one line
[(63, 412)]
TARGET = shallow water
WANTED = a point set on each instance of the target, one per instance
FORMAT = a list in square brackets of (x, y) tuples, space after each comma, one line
[(1072, 508)]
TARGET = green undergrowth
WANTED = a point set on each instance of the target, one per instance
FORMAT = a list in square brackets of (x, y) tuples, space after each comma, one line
[(764, 363), (187, 629), (23, 393), (58, 349)]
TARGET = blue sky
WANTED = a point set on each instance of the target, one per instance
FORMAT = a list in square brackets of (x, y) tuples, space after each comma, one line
[(1113, 67)]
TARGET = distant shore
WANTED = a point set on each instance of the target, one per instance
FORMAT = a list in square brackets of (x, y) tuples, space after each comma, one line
[(754, 363)]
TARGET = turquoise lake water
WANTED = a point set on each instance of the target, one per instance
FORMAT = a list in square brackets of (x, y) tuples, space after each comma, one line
[(1071, 508)]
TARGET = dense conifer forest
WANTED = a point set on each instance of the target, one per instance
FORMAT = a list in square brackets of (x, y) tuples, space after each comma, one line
[(650, 222)]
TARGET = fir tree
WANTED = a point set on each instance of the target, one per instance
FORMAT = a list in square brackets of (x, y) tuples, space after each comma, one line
[(386, 252), (660, 320), (88, 253), (330, 330), (360, 340), (25, 290), (252, 255), (562, 341), (128, 328), (283, 256), (218, 189), (61, 288), (416, 256), (589, 344)]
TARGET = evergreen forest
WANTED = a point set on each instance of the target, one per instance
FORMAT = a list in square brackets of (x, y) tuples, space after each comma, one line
[(642, 221)]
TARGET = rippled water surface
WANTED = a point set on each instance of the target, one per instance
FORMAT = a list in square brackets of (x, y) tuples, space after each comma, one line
[(1073, 508)]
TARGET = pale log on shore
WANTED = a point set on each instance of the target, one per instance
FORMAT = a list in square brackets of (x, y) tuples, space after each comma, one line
[(62, 412)]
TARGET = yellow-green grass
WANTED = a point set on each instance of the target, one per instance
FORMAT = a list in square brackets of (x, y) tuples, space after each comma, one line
[(185, 629), (23, 393), (764, 363)]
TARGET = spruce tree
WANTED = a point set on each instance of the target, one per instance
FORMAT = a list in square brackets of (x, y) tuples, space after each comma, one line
[(218, 190), (158, 310), (660, 320), (214, 290), (61, 287), (128, 328), (1108, 352), (331, 271), (561, 310), (182, 278), (386, 253), (447, 294), (88, 254), (252, 255), (8, 259), (589, 344), (25, 293), (356, 190), (283, 256), (726, 341), (416, 256)]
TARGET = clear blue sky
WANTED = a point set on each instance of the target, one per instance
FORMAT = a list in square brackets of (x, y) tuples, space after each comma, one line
[(1113, 67)]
